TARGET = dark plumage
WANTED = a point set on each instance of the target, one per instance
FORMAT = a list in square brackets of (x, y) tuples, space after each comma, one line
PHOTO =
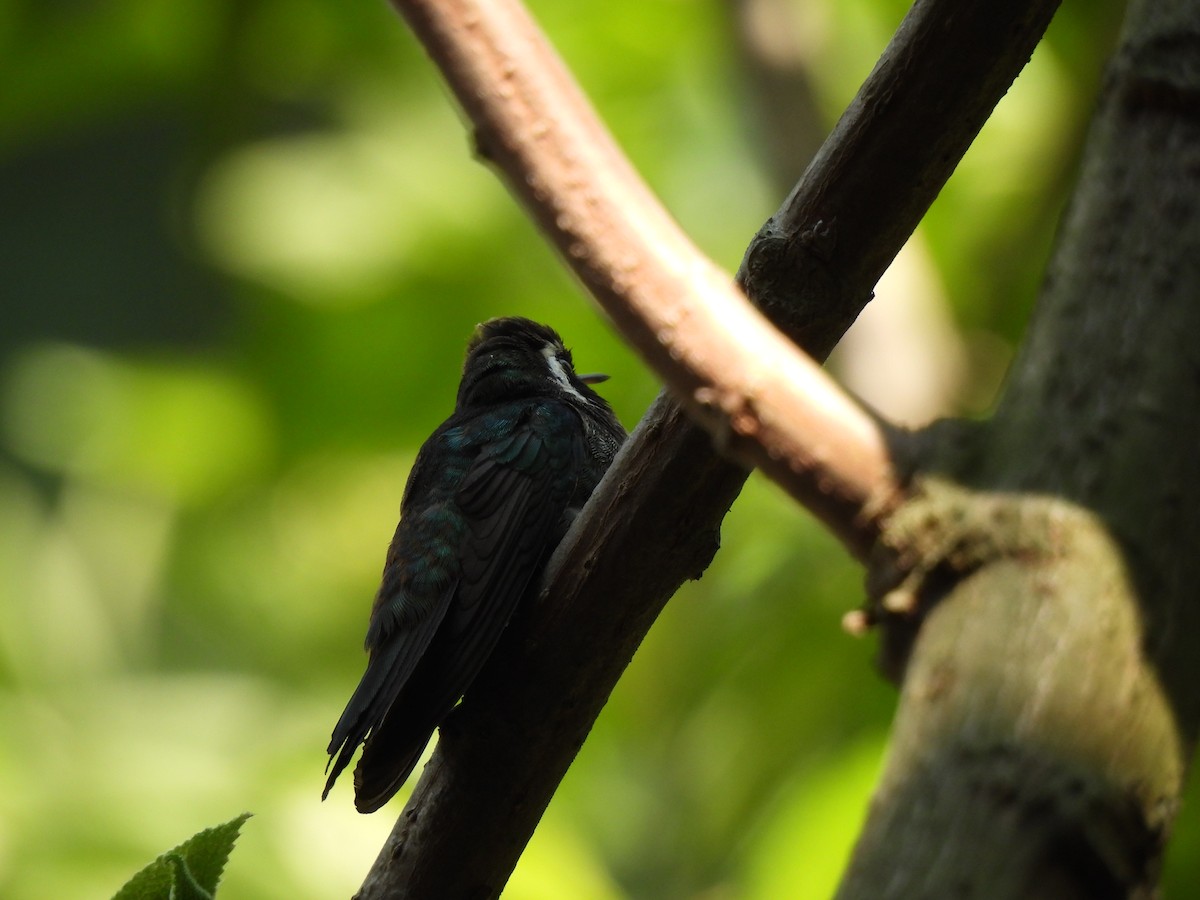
[(490, 495)]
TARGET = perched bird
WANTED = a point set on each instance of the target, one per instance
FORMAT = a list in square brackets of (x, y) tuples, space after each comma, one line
[(490, 495)]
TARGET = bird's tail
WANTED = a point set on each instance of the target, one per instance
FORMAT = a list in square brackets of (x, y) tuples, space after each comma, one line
[(394, 748), (388, 669)]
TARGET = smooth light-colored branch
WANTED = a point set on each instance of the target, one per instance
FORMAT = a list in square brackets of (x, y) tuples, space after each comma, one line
[(765, 403)]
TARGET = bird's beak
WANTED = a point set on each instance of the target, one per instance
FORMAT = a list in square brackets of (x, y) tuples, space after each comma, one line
[(593, 378)]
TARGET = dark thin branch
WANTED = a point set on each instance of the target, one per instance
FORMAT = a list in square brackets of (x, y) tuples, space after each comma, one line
[(653, 522), (813, 265)]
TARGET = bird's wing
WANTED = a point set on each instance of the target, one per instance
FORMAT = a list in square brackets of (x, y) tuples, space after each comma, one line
[(512, 499), (419, 578), (410, 610)]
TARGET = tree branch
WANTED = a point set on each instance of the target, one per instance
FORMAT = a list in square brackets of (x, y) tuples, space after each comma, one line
[(765, 403), (1050, 712), (654, 520)]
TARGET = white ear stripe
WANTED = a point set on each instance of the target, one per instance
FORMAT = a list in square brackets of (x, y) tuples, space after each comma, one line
[(559, 373)]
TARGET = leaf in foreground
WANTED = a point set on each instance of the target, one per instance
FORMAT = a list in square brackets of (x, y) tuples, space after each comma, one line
[(190, 871)]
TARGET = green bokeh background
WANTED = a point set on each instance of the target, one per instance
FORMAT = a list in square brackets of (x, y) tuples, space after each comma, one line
[(241, 248)]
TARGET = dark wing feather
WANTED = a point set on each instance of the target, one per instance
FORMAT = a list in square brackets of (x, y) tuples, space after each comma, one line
[(513, 499), (388, 668), (415, 594)]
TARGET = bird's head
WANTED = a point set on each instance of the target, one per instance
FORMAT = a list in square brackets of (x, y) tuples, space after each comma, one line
[(513, 357)]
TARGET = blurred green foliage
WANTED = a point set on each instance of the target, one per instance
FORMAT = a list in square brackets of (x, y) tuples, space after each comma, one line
[(242, 247)]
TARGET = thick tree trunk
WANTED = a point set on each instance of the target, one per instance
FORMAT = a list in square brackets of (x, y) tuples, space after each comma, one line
[(1050, 701)]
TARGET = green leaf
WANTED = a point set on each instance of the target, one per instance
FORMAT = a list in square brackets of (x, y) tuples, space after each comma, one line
[(190, 871), (185, 887)]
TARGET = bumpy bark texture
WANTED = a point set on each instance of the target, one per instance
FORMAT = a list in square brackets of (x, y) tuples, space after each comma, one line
[(1049, 706)]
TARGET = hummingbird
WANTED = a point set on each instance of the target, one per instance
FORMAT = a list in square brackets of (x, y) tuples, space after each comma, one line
[(490, 495)]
